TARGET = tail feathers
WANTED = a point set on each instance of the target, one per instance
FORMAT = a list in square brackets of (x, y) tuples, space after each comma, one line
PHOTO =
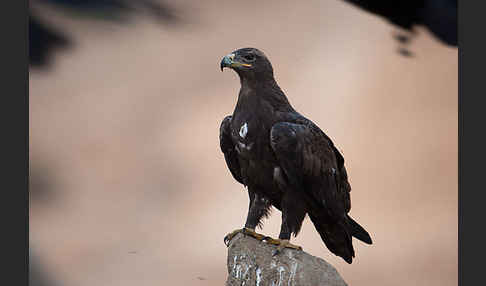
[(358, 231), (336, 237)]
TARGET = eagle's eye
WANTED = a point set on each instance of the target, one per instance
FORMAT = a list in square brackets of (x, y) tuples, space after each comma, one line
[(249, 57)]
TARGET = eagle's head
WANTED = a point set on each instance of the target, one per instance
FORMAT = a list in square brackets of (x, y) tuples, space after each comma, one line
[(249, 63)]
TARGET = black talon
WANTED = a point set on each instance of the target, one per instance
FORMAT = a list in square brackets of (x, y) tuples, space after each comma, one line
[(226, 241), (245, 231)]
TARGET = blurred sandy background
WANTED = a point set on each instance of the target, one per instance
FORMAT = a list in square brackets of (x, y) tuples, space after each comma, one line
[(128, 183)]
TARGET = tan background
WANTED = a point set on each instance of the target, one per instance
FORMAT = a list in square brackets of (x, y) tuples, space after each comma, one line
[(124, 130)]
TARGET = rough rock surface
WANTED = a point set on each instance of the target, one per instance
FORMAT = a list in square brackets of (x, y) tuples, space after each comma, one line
[(250, 262)]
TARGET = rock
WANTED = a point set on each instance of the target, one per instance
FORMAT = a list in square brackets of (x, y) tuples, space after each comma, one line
[(250, 262)]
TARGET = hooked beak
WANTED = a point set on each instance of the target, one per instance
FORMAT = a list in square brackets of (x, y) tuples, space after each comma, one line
[(229, 62)]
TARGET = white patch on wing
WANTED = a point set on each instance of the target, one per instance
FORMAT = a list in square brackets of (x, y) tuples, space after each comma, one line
[(244, 130)]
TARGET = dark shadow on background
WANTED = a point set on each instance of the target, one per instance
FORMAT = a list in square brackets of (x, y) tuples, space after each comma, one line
[(45, 40), (41, 190), (438, 16), (37, 274)]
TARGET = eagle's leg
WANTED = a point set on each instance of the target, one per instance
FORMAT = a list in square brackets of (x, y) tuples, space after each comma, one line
[(293, 214), (259, 207)]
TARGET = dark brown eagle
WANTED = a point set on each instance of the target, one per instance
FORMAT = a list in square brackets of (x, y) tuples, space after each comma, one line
[(285, 161)]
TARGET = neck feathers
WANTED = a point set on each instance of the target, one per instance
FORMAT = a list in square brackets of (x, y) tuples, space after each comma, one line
[(267, 90)]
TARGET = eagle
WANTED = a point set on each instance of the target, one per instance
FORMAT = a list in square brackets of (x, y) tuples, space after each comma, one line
[(285, 161)]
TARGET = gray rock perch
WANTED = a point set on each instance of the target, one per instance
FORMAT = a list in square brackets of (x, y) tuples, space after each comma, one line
[(250, 262)]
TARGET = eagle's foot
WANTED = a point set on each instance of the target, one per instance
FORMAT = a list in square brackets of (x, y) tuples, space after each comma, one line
[(281, 244), (245, 231)]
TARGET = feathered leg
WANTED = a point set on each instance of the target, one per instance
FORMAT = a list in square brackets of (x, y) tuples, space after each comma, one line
[(258, 208), (293, 213)]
